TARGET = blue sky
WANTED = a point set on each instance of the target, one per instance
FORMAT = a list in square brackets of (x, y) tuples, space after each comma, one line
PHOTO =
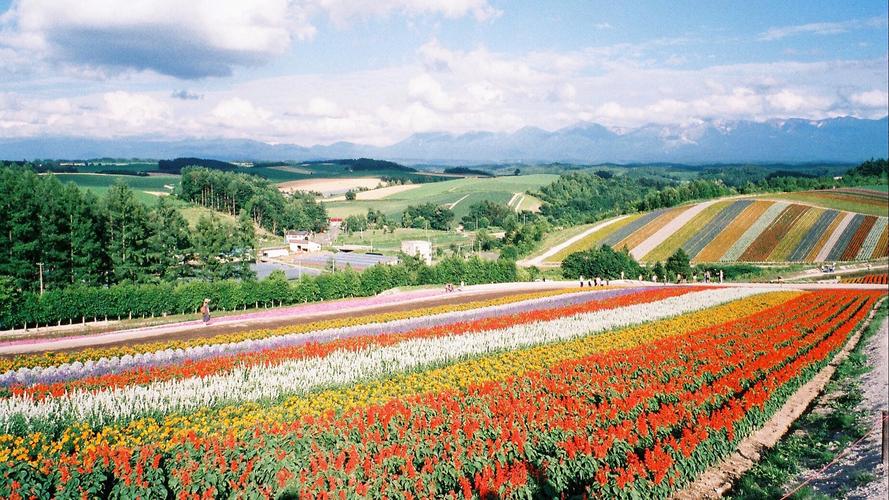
[(376, 71)]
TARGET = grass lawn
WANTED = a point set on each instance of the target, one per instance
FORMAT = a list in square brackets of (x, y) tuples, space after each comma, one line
[(391, 242)]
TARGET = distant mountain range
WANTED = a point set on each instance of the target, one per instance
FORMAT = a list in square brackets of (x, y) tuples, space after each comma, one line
[(792, 140)]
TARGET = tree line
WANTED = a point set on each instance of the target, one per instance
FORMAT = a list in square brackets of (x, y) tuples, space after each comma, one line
[(78, 238), (230, 193), (83, 303)]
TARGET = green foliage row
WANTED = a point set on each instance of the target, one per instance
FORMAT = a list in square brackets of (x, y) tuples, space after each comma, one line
[(84, 303)]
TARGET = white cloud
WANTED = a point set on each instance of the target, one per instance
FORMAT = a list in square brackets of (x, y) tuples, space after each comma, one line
[(427, 90), (319, 106), (346, 11), (872, 99), (824, 28), (457, 91), (241, 114), (193, 39), (135, 110)]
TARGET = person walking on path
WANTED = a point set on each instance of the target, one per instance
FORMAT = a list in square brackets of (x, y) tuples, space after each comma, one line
[(205, 311)]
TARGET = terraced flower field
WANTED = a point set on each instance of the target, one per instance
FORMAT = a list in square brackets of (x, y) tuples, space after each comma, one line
[(861, 200), (745, 230), (626, 392)]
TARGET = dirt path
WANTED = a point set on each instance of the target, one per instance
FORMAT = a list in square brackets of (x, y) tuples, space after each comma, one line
[(718, 479), (864, 456), (272, 318), (538, 261)]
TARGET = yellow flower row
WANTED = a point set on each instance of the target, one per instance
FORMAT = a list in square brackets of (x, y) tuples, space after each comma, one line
[(236, 419), (57, 358)]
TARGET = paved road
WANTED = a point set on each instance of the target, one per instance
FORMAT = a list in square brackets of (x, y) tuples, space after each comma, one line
[(264, 318)]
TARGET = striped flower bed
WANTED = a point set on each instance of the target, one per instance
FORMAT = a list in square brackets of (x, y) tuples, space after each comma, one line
[(623, 394), (814, 235), (745, 240), (715, 226), (714, 250), (774, 232), (795, 234)]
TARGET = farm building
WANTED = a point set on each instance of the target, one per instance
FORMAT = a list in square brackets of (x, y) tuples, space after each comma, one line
[(275, 252), (298, 236), (419, 248), (305, 246)]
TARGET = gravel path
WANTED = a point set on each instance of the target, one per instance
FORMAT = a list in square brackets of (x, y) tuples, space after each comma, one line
[(862, 459), (875, 385)]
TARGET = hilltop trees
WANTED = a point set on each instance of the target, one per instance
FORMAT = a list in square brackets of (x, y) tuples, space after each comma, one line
[(229, 193)]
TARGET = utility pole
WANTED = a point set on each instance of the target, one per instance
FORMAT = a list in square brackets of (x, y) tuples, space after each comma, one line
[(40, 266)]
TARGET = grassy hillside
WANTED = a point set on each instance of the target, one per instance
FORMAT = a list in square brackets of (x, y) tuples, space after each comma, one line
[(458, 194), (745, 230), (144, 187)]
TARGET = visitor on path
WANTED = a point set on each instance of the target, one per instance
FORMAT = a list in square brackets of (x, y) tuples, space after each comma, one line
[(720, 275), (581, 281), (462, 284), (205, 311)]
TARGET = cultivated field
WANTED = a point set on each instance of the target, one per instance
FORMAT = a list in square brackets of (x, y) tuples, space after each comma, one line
[(146, 188), (871, 200), (331, 186), (539, 394), (743, 230), (457, 194)]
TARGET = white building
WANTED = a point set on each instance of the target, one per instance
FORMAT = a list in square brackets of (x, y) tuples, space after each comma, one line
[(275, 252), (419, 248), (305, 246), (298, 236)]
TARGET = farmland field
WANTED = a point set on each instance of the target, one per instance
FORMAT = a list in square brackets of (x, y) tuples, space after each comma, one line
[(145, 188), (870, 201), (458, 194), (543, 394), (744, 230)]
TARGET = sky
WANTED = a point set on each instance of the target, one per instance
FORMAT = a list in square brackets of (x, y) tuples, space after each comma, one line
[(376, 71)]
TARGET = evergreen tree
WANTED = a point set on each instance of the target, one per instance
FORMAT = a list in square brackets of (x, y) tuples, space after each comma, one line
[(169, 246), (89, 258), (127, 223), (678, 263)]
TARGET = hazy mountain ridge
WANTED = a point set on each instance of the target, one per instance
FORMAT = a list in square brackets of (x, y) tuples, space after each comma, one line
[(843, 139)]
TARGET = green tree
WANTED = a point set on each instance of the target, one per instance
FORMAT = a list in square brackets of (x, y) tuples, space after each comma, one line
[(169, 245), (127, 224), (678, 263)]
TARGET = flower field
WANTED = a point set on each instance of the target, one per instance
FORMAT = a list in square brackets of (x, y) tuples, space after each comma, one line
[(749, 230), (868, 279), (623, 392)]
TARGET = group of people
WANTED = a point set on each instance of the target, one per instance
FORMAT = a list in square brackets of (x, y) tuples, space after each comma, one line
[(451, 288), (597, 281)]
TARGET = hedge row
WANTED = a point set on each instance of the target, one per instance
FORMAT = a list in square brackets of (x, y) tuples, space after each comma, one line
[(79, 303)]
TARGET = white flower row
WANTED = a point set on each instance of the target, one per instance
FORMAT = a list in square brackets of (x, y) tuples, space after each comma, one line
[(116, 364), (339, 367)]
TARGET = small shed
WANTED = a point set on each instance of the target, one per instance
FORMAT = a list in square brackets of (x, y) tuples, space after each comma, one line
[(275, 252), (305, 246), (418, 248)]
